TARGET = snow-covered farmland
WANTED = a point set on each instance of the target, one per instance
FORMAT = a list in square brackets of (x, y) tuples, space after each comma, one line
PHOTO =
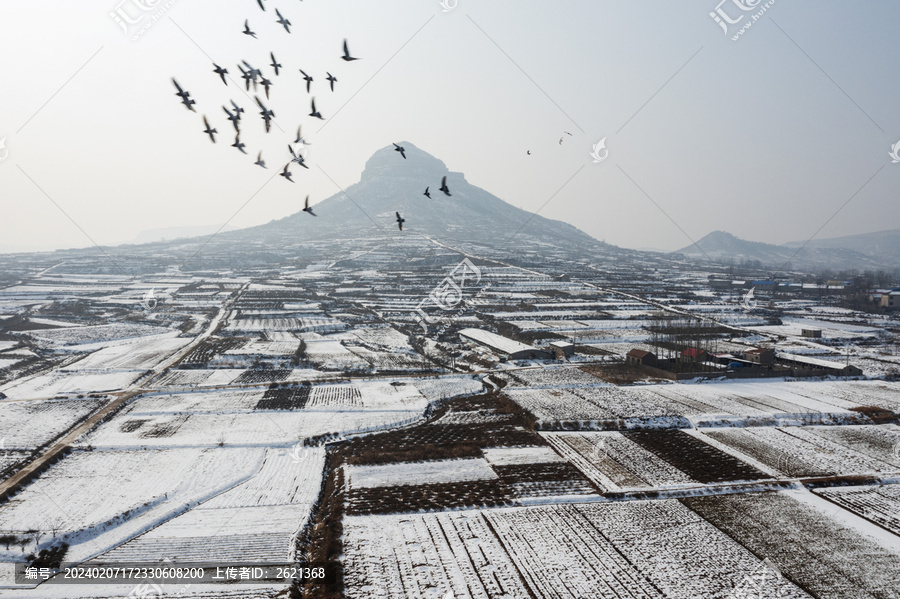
[(26, 425), (419, 473), (825, 549), (635, 549), (213, 418), (96, 500), (877, 503), (427, 556), (816, 451)]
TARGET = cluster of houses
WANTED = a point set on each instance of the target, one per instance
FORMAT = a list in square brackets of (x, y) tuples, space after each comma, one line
[(764, 287), (753, 363), (886, 298)]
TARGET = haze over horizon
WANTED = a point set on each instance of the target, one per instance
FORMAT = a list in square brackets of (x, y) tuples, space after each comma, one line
[(779, 136)]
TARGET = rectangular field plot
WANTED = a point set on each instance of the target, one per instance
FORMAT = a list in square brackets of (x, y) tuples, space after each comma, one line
[(877, 503), (812, 451), (227, 417), (724, 403), (419, 473), (26, 425), (813, 543), (99, 499), (427, 556)]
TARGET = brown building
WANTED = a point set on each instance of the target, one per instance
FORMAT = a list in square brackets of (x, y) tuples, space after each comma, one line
[(639, 357), (761, 356)]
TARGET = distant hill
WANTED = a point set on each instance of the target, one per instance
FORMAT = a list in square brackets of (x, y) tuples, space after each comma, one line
[(390, 184), (868, 251)]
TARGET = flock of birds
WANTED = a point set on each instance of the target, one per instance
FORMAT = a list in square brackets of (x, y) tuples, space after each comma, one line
[(255, 77)]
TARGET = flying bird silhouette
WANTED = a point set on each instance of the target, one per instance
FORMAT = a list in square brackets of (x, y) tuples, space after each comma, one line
[(346, 55), (427, 193), (308, 79), (283, 21), (221, 73), (275, 65), (306, 207), (260, 161), (296, 157), (316, 113), (400, 220), (237, 109), (331, 79), (400, 149), (444, 187), (185, 96), (247, 29), (238, 143), (208, 130), (286, 173), (260, 2), (234, 118), (246, 77), (300, 139), (266, 84), (265, 113)]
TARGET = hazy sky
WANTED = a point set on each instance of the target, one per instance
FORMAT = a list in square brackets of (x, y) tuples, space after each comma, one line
[(766, 137)]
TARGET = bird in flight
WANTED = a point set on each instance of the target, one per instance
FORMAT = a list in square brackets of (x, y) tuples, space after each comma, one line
[(238, 143), (237, 109), (247, 29), (266, 84), (297, 157), (308, 79), (286, 173), (444, 187), (208, 130), (260, 2), (275, 65), (255, 73), (427, 193), (246, 77), (400, 220), (265, 113), (400, 149), (331, 78), (260, 161), (220, 72), (346, 55), (300, 139), (306, 207), (316, 113), (234, 118), (185, 96), (283, 21)]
